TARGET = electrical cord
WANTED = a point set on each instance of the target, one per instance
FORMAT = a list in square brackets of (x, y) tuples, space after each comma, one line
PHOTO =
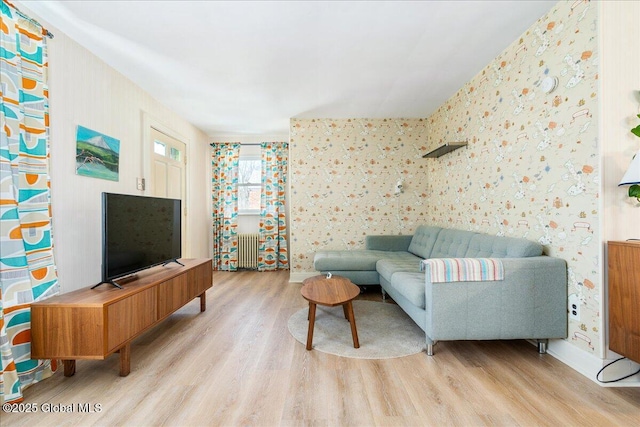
[(617, 379)]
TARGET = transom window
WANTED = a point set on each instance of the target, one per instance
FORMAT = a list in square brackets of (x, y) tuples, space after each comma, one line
[(161, 149)]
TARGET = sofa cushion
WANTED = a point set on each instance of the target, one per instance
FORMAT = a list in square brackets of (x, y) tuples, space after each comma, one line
[(358, 259), (388, 242), (423, 240), (487, 246), (402, 261), (411, 286), (451, 243)]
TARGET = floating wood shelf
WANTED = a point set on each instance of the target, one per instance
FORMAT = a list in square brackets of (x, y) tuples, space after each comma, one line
[(444, 149)]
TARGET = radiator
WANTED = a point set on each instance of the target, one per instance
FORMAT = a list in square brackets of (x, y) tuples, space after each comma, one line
[(248, 250)]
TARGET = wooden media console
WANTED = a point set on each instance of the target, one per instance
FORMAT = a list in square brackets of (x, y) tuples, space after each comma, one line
[(94, 323), (624, 298)]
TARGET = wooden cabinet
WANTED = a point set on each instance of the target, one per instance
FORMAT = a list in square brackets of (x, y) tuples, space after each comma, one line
[(624, 298), (94, 323), (173, 294)]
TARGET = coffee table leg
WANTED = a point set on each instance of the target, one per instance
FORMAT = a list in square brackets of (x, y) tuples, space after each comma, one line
[(352, 321), (344, 309), (312, 320)]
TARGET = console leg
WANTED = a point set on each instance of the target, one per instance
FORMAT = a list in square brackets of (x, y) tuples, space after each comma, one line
[(542, 346), (125, 360), (69, 367), (203, 301)]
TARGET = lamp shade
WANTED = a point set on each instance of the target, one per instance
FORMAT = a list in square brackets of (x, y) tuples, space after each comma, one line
[(632, 176)]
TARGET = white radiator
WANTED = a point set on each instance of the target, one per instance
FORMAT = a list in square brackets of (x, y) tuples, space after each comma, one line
[(248, 250)]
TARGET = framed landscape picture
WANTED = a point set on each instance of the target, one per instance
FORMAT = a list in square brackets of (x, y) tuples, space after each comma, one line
[(97, 155)]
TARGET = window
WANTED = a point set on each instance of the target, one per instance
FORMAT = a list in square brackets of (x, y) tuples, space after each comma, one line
[(160, 148), (175, 154), (249, 178)]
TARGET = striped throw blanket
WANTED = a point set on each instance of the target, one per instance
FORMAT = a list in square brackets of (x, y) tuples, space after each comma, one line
[(464, 269)]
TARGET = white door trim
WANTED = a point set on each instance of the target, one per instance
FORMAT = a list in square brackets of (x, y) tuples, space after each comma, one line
[(149, 122)]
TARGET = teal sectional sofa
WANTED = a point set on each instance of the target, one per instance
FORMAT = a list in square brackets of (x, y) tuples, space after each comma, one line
[(436, 277)]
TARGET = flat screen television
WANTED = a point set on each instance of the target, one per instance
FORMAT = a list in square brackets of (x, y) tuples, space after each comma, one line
[(138, 232)]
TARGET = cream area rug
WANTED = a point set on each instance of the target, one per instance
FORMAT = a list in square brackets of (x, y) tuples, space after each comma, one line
[(384, 331)]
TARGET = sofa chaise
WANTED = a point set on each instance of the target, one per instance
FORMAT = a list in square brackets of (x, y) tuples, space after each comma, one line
[(462, 285)]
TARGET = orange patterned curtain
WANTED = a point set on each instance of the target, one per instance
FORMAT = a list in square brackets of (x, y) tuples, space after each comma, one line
[(27, 268), (224, 197), (272, 253)]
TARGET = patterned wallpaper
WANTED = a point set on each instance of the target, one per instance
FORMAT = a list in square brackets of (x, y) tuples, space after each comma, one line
[(343, 174), (531, 168)]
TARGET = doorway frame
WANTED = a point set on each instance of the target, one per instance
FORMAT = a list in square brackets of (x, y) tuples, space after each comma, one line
[(149, 122)]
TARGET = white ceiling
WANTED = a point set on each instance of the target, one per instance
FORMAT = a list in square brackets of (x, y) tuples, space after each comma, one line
[(245, 68)]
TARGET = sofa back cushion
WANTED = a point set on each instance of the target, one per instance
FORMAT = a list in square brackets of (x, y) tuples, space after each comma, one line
[(452, 243), (423, 240), (487, 246)]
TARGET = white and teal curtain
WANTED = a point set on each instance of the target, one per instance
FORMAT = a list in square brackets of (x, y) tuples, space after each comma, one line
[(27, 268), (272, 253), (224, 188)]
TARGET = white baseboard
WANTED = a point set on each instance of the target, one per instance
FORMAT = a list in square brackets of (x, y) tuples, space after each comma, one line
[(589, 365), (299, 277)]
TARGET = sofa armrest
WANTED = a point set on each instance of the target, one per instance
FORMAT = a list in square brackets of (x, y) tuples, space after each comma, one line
[(531, 302), (388, 242)]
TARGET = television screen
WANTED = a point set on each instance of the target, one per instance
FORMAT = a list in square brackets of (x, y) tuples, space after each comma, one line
[(138, 232)]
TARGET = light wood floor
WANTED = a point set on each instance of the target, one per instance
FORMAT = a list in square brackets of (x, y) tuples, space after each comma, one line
[(236, 364)]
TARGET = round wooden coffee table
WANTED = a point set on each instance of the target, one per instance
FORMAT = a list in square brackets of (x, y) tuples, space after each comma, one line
[(330, 291)]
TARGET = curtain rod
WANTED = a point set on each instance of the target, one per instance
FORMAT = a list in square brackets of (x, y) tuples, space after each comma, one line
[(33, 21)]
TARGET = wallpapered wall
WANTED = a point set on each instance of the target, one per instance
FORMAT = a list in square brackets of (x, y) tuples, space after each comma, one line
[(531, 167), (530, 170), (343, 174)]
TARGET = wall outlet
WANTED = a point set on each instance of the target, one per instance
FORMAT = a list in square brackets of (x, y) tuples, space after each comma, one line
[(574, 307), (140, 184)]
